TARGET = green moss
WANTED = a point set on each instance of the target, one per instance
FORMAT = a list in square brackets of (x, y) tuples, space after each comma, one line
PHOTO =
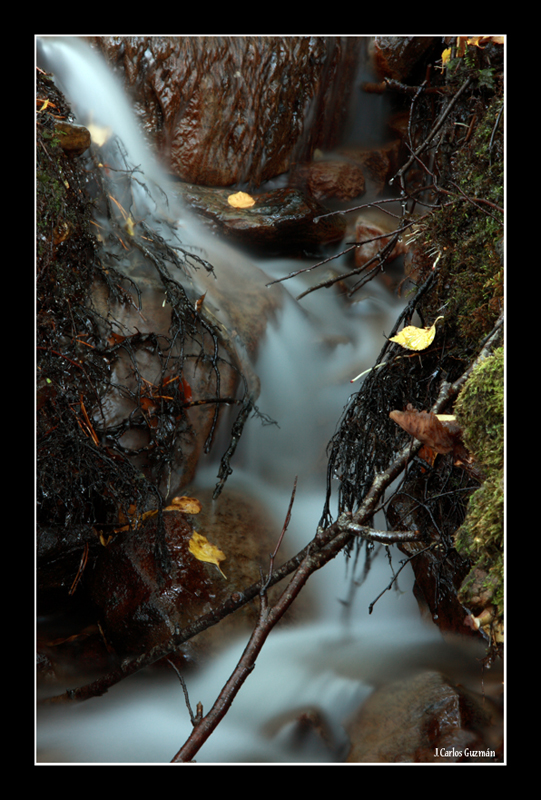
[(480, 411), (458, 257), (468, 231)]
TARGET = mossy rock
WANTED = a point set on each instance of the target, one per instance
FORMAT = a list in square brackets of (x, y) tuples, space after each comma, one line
[(480, 409)]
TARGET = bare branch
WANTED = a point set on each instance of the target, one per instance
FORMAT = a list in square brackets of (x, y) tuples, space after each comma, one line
[(266, 622)]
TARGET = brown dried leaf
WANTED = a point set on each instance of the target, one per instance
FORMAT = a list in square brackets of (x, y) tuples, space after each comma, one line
[(428, 429)]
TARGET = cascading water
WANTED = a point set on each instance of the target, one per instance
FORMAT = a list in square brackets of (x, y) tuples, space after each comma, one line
[(329, 665)]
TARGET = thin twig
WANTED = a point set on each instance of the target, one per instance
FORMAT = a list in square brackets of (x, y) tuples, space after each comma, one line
[(435, 129), (279, 543), (193, 719), (314, 266), (404, 564)]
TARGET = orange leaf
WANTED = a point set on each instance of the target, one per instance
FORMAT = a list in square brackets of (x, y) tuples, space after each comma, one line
[(187, 505)]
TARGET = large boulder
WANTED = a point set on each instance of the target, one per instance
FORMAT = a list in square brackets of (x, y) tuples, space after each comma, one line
[(222, 110)]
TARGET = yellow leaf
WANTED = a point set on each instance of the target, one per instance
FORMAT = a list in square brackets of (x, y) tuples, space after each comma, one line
[(240, 200), (130, 226), (203, 550), (413, 338), (188, 505), (445, 56)]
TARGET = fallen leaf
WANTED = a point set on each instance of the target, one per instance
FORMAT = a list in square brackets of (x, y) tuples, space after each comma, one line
[(203, 550), (441, 437), (188, 505), (199, 302), (413, 338), (115, 338), (445, 56), (241, 200), (130, 226)]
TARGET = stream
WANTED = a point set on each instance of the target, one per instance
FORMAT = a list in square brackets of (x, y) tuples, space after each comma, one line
[(328, 665)]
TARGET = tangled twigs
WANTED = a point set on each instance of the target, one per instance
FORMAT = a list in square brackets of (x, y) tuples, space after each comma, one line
[(435, 129)]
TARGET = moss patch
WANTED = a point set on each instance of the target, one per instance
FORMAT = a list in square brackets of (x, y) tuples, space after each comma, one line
[(480, 409)]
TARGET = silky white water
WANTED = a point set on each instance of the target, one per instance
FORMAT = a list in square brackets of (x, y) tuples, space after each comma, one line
[(305, 363)]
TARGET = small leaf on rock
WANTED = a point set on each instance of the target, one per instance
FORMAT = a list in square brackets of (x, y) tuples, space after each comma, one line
[(188, 505), (241, 200), (203, 550)]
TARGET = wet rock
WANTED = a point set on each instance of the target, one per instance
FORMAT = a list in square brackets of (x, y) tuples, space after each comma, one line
[(141, 608), (365, 230), (143, 359), (379, 164), (279, 221), (325, 179), (224, 109), (74, 139), (60, 551), (426, 719), (398, 124), (396, 56), (69, 653)]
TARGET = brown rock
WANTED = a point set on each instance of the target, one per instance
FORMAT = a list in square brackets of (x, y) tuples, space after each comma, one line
[(368, 232), (225, 109), (74, 139), (341, 180), (425, 719), (438, 574), (140, 352), (279, 221), (396, 56), (379, 164), (141, 608)]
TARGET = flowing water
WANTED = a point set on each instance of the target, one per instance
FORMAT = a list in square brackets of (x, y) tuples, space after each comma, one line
[(305, 364)]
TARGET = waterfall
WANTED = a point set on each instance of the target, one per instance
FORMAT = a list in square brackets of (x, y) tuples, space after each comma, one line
[(305, 362)]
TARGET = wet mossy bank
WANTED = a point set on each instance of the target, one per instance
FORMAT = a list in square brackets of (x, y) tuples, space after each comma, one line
[(453, 190)]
